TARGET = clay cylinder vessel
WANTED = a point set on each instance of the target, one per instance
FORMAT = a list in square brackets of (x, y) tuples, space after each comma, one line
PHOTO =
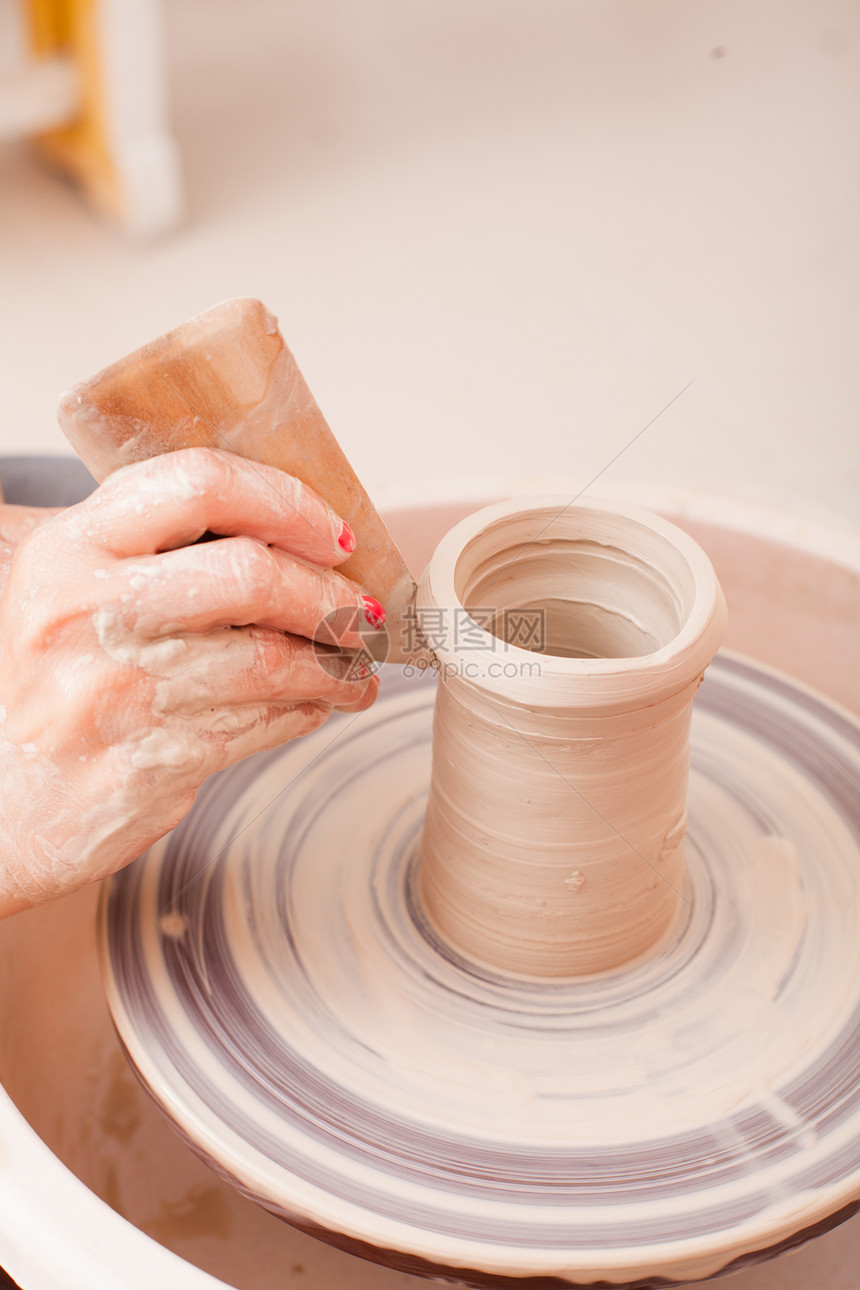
[(571, 640)]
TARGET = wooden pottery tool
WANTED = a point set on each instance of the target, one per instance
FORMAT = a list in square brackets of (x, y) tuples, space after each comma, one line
[(226, 379)]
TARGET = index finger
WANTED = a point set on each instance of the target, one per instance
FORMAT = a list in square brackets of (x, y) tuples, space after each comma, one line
[(172, 500)]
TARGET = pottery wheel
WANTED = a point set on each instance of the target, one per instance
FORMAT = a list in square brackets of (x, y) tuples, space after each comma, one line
[(279, 993)]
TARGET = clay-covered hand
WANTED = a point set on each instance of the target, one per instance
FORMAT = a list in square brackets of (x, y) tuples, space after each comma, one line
[(134, 662), (15, 523)]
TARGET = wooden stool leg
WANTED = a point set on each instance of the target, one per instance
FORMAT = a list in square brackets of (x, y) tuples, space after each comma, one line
[(119, 147)]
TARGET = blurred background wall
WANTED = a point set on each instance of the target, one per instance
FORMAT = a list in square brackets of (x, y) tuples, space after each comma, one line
[(500, 236)]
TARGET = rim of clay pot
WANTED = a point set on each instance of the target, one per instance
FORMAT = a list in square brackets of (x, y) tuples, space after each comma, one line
[(683, 609)]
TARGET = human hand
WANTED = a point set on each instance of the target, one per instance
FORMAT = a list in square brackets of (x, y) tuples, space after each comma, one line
[(134, 664), (15, 523)]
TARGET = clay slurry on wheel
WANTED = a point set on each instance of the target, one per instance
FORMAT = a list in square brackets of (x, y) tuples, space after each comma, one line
[(273, 979)]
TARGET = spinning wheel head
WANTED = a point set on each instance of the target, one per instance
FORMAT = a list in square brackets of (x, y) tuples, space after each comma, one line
[(275, 982)]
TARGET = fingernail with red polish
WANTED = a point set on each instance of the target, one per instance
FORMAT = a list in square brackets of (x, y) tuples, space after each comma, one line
[(373, 611), (346, 541)]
